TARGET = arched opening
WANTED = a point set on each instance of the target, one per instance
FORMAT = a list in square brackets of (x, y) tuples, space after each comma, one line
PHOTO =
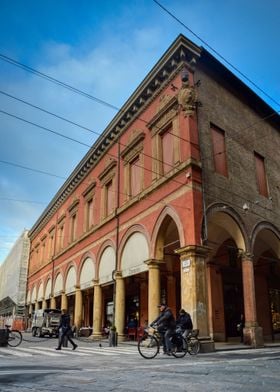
[(170, 272), (267, 282), (224, 272)]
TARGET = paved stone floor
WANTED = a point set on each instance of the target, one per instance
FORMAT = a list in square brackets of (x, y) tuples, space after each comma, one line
[(36, 366)]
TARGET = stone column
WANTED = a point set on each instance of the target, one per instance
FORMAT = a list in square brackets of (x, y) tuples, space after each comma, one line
[(78, 308), (44, 304), (36, 305), (53, 303), (64, 301), (171, 293), (253, 334), (30, 309), (153, 289), (120, 304), (194, 290), (97, 310)]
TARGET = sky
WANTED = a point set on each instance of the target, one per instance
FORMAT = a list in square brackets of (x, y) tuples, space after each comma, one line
[(104, 49)]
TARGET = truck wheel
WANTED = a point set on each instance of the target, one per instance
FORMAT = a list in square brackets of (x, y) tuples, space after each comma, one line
[(40, 333), (34, 332)]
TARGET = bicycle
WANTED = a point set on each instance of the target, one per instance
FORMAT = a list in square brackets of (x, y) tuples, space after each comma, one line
[(192, 342), (14, 337), (149, 344)]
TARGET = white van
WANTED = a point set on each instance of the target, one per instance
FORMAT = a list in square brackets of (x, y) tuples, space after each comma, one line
[(45, 322)]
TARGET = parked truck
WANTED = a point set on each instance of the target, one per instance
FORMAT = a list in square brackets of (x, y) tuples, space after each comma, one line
[(45, 322)]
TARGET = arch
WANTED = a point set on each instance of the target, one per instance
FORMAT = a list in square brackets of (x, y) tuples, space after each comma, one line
[(166, 214), (135, 251), (71, 280), (107, 265), (28, 297), (224, 222), (58, 285), (33, 294), (87, 273), (265, 236), (48, 289), (40, 292)]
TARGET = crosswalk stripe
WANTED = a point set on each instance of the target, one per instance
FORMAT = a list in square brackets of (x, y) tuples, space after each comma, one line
[(43, 352), (110, 350), (12, 351), (63, 351), (81, 351)]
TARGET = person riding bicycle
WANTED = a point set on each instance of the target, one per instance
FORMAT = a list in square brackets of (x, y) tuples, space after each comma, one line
[(184, 321), (165, 324)]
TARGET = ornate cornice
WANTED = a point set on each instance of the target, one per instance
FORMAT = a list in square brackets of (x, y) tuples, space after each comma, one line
[(180, 54)]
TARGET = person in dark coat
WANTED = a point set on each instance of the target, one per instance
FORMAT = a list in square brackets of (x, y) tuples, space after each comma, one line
[(65, 328), (240, 326), (184, 321), (165, 324)]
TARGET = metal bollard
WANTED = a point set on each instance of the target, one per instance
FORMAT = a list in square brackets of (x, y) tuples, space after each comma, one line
[(113, 339)]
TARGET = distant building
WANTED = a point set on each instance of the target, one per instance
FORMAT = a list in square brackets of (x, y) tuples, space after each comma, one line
[(178, 201), (13, 278)]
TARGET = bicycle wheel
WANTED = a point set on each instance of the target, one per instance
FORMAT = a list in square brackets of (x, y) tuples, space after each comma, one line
[(148, 346), (193, 346), (15, 338), (179, 345)]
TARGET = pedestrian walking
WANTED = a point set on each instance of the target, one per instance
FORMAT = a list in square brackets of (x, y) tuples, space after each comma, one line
[(65, 329)]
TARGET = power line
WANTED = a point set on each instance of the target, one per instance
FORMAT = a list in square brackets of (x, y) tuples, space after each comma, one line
[(48, 112), (113, 156), (22, 201), (44, 128), (216, 52), (56, 81), (75, 90), (31, 169)]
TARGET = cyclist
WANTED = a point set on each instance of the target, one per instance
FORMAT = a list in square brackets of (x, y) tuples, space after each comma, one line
[(165, 324), (184, 321)]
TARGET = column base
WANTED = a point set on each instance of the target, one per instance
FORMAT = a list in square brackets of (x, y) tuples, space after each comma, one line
[(253, 336), (95, 336), (207, 345)]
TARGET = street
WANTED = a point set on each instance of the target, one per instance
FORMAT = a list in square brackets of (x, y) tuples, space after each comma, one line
[(35, 365)]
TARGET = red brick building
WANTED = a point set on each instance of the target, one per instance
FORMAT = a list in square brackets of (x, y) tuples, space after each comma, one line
[(177, 201)]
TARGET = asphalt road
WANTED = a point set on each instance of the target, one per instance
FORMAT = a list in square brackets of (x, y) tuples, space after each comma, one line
[(36, 366)]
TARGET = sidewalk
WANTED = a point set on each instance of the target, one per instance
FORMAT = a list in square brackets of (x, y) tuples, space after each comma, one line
[(219, 346)]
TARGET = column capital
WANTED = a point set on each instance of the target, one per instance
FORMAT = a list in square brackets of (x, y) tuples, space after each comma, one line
[(77, 287), (153, 263), (118, 275), (193, 250), (95, 282), (246, 256)]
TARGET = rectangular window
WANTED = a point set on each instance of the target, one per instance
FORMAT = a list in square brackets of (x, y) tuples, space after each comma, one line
[(167, 143), (219, 150), (261, 175), (109, 198), (51, 245), (89, 213), (73, 227), (60, 237), (135, 177)]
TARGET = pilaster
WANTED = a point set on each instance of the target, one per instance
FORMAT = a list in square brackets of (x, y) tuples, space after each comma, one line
[(194, 290), (252, 333), (78, 308), (120, 305)]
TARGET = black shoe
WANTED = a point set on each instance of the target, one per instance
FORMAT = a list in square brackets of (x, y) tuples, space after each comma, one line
[(58, 348), (74, 347), (168, 353)]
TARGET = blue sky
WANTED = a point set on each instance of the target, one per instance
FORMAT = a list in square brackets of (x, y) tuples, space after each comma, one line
[(104, 48)]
